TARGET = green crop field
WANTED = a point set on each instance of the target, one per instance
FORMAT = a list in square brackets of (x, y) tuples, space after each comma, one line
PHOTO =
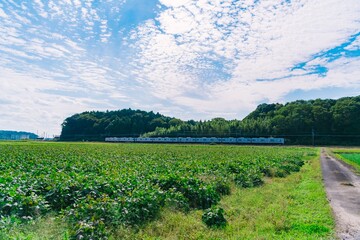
[(101, 191), (354, 157), (349, 155)]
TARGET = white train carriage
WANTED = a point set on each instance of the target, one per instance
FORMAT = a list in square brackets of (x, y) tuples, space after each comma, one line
[(260, 140), (229, 140), (215, 140), (204, 140), (128, 139), (243, 140), (110, 139), (160, 139), (181, 139), (144, 140), (208, 140), (276, 140), (173, 140), (189, 140), (122, 139)]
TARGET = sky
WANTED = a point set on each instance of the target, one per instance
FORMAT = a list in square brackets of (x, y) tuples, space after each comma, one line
[(191, 59)]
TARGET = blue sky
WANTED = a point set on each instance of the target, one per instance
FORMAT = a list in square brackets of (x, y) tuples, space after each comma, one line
[(192, 59)]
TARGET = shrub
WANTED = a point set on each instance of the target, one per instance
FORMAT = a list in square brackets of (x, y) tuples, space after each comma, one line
[(291, 166), (214, 217), (198, 194), (91, 217), (88, 218), (176, 200), (89, 230), (23, 203), (250, 178), (222, 187), (142, 205)]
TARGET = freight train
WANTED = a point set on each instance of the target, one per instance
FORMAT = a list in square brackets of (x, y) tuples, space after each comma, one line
[(229, 140)]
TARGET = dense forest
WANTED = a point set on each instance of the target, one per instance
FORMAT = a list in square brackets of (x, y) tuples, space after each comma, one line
[(14, 135), (300, 122), (127, 122)]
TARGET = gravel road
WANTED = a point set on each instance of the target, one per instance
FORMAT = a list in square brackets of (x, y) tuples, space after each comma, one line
[(343, 191)]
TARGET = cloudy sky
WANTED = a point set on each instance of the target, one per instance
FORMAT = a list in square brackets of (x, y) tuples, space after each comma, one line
[(192, 59)]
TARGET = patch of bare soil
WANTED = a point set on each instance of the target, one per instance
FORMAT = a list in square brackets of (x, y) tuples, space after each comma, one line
[(343, 191)]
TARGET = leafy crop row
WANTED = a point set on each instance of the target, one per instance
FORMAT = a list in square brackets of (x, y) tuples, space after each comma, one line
[(97, 187)]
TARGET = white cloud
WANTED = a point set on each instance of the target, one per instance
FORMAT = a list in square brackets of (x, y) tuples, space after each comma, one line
[(170, 3), (196, 58), (46, 71), (31, 109), (35, 101), (40, 9), (355, 45), (252, 41), (3, 14), (177, 21), (233, 98), (17, 53), (77, 3)]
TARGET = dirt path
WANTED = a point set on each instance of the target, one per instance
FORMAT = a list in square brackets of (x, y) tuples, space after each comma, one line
[(343, 191)]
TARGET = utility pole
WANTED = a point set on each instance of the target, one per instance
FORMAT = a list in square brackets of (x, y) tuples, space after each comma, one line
[(313, 136)]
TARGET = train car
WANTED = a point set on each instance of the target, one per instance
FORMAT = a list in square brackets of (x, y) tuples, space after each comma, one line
[(276, 140), (173, 140), (230, 140), (208, 140), (128, 139), (203, 140), (145, 140), (243, 140), (259, 140), (215, 140)]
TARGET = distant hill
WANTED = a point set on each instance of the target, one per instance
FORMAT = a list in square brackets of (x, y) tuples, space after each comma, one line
[(325, 121), (14, 135), (126, 122), (331, 121)]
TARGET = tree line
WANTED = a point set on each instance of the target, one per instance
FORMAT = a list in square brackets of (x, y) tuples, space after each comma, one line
[(300, 122)]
